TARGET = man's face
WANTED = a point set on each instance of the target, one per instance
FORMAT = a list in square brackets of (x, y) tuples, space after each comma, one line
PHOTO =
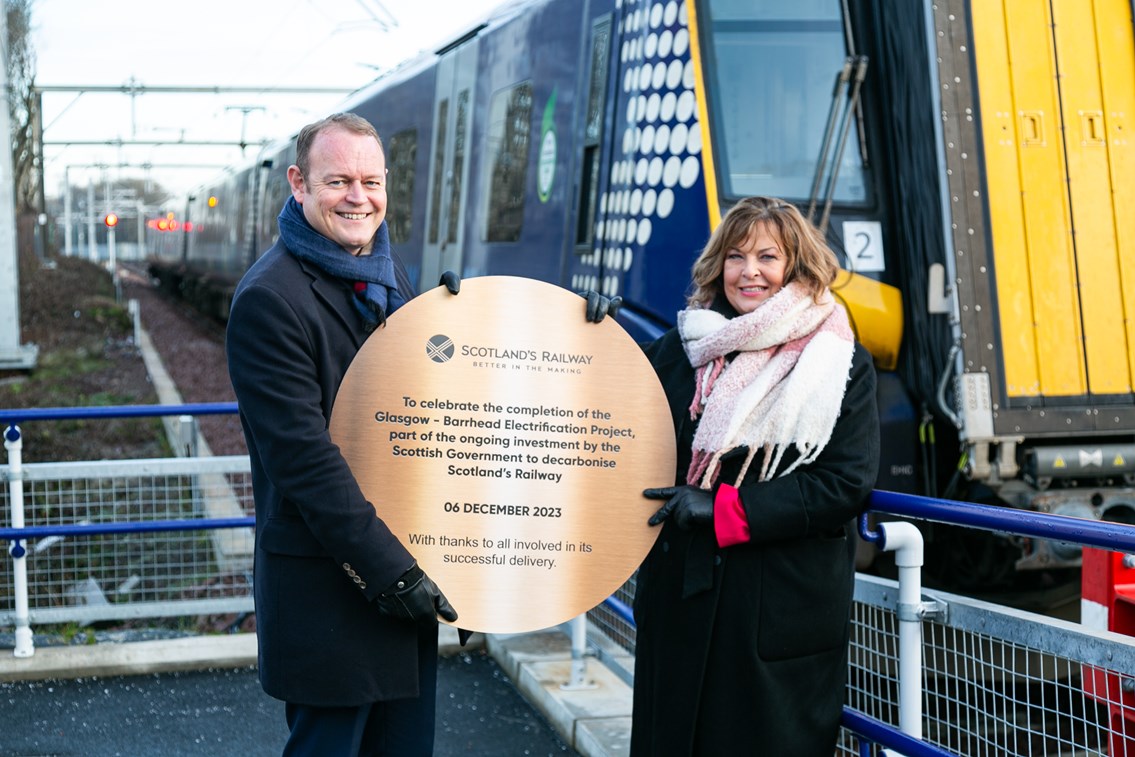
[(343, 193)]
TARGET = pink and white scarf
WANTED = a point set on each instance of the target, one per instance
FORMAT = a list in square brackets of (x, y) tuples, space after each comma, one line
[(784, 388)]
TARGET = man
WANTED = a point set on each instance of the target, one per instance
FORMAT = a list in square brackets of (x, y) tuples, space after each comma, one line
[(347, 622)]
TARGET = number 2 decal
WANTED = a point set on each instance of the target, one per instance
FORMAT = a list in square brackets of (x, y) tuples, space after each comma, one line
[(863, 243)]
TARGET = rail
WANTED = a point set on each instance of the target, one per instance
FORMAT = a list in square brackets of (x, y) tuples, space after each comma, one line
[(12, 418)]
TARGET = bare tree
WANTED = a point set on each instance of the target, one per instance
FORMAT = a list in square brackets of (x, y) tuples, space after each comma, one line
[(23, 106)]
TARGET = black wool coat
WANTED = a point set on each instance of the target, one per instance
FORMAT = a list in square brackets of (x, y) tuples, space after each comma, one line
[(743, 649), (322, 555)]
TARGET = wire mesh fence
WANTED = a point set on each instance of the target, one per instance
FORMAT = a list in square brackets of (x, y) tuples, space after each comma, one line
[(139, 573), (996, 680)]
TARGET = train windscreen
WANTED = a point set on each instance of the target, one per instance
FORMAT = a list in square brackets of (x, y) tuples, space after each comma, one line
[(771, 68)]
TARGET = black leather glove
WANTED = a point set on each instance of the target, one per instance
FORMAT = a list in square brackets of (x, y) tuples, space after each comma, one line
[(687, 505), (599, 307), (450, 281), (416, 598), (463, 636)]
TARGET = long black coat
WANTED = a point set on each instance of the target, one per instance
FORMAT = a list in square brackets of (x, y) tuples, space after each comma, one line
[(321, 554), (743, 650)]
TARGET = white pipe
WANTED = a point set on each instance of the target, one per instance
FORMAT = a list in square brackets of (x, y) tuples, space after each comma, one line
[(905, 540), (578, 648), (578, 655), (69, 233), (13, 442), (92, 251)]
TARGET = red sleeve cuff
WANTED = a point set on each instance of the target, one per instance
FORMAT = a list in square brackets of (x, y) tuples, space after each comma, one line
[(730, 523)]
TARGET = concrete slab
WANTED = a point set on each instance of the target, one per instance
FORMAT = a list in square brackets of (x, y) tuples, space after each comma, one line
[(603, 737), (594, 719), (161, 656), (134, 658), (513, 650)]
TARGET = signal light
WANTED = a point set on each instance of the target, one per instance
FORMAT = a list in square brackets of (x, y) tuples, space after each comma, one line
[(111, 220), (170, 223)]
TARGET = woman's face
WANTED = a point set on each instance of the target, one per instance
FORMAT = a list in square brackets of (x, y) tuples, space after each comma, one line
[(754, 270)]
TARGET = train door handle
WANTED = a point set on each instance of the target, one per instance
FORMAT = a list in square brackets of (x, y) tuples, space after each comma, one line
[(1032, 128), (1092, 128)]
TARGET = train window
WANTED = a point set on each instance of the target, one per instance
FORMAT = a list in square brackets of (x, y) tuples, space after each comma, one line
[(439, 168), (593, 130), (771, 66), (458, 164), (276, 193), (597, 89), (588, 199), (401, 158), (509, 133)]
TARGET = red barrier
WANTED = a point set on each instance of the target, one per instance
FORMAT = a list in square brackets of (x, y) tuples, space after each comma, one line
[(1107, 602)]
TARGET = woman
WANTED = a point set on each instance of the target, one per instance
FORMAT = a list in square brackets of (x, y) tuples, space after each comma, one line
[(743, 603)]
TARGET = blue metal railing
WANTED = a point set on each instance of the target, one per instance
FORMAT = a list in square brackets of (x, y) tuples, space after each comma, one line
[(11, 419), (98, 529), (1119, 537), (874, 731), (14, 417)]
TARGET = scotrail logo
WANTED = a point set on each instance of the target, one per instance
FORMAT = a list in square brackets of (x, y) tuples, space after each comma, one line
[(440, 348)]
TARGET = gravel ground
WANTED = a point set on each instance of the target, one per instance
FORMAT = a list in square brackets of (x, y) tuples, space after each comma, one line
[(87, 358), (193, 351)]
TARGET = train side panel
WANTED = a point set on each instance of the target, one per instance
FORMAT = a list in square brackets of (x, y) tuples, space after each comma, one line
[(401, 114), (521, 165), (1042, 243), (652, 216)]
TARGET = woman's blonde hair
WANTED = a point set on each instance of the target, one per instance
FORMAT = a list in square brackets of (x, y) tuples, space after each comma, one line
[(809, 259)]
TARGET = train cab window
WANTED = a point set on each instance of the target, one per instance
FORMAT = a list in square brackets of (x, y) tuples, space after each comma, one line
[(509, 134), (770, 68), (439, 169), (401, 157)]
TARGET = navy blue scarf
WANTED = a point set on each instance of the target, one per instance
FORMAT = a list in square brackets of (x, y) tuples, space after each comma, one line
[(381, 296)]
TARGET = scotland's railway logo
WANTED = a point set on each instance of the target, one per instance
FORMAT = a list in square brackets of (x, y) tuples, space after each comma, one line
[(439, 348)]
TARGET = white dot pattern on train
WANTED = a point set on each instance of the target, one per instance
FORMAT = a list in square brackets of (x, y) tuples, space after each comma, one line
[(660, 144)]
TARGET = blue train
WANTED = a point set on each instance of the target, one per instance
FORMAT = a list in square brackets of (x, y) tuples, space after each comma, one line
[(962, 157)]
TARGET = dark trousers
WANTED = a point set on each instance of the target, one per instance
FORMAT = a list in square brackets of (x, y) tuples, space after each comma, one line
[(395, 728)]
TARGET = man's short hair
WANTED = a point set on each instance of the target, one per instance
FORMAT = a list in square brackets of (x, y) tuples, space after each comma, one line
[(349, 121)]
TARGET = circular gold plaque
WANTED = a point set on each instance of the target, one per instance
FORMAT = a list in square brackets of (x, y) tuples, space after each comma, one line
[(506, 442)]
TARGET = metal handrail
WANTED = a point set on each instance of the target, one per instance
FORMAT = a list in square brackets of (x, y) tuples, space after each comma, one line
[(14, 417), (886, 735), (1109, 535), (124, 527)]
